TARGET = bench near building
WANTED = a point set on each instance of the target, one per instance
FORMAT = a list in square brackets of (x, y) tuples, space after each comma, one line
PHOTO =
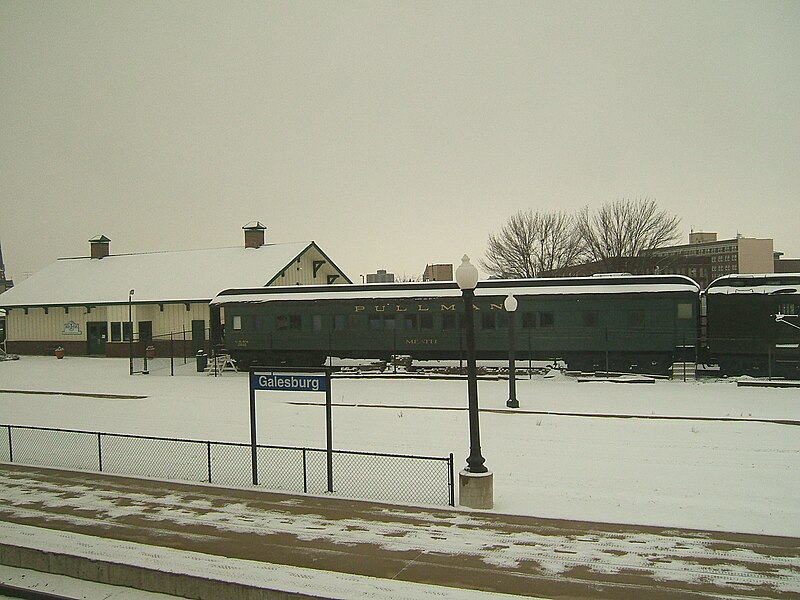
[(86, 305)]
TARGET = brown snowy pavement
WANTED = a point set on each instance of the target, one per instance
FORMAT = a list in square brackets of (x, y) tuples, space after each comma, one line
[(209, 542)]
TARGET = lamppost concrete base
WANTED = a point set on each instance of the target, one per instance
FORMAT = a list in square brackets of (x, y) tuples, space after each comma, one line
[(476, 490)]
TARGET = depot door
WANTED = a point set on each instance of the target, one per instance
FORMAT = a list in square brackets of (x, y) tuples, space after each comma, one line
[(198, 335), (96, 332)]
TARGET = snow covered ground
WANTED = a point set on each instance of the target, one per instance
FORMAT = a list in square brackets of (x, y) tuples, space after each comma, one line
[(725, 458)]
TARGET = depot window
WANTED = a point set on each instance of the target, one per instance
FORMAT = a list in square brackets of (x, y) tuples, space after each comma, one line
[(146, 330)]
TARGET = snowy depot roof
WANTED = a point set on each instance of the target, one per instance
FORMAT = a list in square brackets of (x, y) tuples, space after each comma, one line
[(191, 275), (490, 288), (767, 283)]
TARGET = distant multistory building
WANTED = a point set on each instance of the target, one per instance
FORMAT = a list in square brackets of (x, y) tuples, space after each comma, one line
[(380, 277), (440, 272), (786, 265), (705, 257)]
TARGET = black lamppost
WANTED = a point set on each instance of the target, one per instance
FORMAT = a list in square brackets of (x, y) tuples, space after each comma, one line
[(467, 280), (130, 332), (510, 305)]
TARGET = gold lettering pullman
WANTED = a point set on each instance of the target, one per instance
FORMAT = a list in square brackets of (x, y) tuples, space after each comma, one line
[(399, 308)]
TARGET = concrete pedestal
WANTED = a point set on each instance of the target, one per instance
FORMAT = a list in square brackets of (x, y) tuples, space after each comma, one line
[(476, 490)]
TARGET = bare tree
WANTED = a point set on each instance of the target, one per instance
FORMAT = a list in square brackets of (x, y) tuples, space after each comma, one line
[(619, 235), (530, 243)]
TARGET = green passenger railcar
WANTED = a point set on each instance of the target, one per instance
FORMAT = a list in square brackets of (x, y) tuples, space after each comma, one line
[(753, 324), (611, 322)]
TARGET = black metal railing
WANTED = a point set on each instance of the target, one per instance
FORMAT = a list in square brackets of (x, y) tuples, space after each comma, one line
[(359, 475)]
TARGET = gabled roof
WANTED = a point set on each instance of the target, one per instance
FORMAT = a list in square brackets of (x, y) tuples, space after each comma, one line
[(190, 275)]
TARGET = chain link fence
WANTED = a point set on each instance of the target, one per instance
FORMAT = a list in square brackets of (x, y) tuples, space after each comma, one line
[(360, 475)]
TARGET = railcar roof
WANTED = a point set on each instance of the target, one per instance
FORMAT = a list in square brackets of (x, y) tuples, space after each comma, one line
[(765, 283), (615, 284)]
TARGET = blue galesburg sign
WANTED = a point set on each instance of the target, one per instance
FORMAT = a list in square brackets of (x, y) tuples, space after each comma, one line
[(294, 382), (291, 380)]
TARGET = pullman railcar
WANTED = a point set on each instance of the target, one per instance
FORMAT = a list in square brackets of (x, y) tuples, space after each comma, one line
[(601, 322), (752, 324)]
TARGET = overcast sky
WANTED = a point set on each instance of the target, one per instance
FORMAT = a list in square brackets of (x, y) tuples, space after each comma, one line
[(394, 134)]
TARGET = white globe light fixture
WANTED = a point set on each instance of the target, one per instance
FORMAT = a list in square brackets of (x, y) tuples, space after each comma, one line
[(466, 274), (510, 303)]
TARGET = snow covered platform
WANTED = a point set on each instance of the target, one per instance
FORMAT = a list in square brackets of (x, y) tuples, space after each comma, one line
[(771, 383), (619, 379), (197, 541)]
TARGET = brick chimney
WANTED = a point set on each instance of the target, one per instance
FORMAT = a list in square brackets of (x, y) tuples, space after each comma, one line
[(254, 234), (99, 245)]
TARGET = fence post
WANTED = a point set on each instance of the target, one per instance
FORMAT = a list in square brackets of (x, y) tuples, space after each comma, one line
[(171, 356), (100, 451), (10, 446), (451, 480), (305, 472), (208, 454)]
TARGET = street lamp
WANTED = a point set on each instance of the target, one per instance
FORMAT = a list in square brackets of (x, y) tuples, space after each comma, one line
[(130, 332), (467, 280), (510, 304)]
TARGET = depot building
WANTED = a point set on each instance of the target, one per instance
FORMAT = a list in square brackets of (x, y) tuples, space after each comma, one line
[(93, 305)]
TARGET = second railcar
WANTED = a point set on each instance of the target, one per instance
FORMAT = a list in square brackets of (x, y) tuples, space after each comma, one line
[(602, 322), (744, 337)]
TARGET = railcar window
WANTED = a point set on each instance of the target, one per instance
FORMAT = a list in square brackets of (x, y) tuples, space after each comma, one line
[(452, 320), (339, 322), (489, 321), (237, 322), (355, 322), (787, 308), (685, 310), (547, 319), (288, 322), (426, 321), (410, 321), (635, 319), (378, 322), (591, 318), (528, 320), (316, 322)]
